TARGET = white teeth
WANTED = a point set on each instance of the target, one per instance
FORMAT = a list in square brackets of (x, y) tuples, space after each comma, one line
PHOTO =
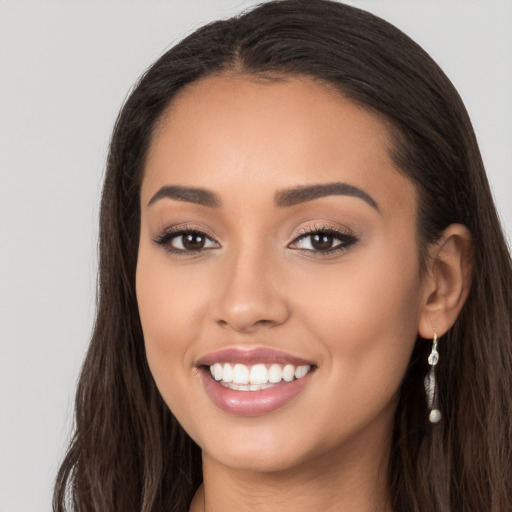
[(256, 377), (289, 372), (259, 374), (275, 373), (240, 374), (300, 371), (246, 387), (228, 373), (218, 371)]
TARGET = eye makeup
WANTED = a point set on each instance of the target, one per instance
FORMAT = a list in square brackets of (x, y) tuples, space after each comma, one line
[(317, 240), (185, 240), (323, 240)]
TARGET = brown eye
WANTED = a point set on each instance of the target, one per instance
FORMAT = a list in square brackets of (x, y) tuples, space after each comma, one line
[(322, 242), (191, 241), (186, 241)]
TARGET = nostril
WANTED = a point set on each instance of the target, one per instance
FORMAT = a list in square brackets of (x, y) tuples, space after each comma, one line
[(264, 322), (244, 306), (238, 325)]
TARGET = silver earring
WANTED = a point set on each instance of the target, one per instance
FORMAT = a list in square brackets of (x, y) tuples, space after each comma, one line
[(434, 414)]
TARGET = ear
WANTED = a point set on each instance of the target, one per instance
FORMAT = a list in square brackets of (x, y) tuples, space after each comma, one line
[(447, 281)]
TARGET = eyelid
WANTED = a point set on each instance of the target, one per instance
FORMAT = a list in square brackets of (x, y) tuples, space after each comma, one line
[(346, 236), (165, 238)]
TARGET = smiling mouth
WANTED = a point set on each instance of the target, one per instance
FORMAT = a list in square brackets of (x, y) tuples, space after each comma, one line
[(253, 382), (256, 377)]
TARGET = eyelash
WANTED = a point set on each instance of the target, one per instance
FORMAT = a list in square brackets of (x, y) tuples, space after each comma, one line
[(346, 239), (170, 234)]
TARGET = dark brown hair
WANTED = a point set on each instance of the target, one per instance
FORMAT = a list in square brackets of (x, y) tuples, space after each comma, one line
[(128, 452)]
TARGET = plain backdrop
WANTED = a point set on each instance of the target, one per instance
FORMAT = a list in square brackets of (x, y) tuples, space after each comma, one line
[(65, 69)]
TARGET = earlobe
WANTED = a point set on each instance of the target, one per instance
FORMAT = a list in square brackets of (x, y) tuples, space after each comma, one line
[(448, 280)]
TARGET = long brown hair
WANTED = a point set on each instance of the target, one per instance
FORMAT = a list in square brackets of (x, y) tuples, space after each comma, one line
[(128, 452)]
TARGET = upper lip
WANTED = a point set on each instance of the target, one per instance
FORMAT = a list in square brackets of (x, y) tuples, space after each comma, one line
[(250, 356)]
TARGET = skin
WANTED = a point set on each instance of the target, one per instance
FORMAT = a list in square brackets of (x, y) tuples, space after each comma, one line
[(355, 313)]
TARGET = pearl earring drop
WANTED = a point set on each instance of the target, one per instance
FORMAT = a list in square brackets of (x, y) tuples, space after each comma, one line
[(434, 415)]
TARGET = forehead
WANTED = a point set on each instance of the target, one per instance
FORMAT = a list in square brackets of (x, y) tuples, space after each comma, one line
[(228, 129)]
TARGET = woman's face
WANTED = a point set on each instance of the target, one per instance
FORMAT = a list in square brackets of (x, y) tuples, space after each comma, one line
[(278, 246)]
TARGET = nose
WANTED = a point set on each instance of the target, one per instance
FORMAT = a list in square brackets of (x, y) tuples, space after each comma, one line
[(250, 296)]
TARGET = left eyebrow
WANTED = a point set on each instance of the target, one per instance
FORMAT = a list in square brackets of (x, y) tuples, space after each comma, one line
[(195, 195), (302, 194)]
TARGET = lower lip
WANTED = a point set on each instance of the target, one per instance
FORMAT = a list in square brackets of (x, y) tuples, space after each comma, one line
[(251, 403)]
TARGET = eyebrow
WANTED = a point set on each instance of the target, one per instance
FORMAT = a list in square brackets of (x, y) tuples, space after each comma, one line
[(283, 198), (199, 196), (302, 194)]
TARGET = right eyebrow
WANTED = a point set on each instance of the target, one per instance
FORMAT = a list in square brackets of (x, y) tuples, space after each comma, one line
[(199, 196), (302, 194)]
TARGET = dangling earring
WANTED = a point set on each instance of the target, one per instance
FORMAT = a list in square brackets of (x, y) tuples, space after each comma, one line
[(434, 414)]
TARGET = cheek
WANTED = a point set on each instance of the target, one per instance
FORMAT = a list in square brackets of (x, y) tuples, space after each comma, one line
[(366, 315), (168, 298), (166, 309)]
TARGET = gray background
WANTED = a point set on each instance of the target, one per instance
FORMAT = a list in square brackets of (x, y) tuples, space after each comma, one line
[(65, 68)]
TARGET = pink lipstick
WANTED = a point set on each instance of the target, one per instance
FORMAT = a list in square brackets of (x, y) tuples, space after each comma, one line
[(251, 382)]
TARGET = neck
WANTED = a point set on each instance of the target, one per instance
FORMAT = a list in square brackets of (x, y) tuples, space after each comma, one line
[(342, 480)]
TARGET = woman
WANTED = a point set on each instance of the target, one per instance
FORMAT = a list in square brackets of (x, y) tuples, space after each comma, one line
[(305, 293)]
